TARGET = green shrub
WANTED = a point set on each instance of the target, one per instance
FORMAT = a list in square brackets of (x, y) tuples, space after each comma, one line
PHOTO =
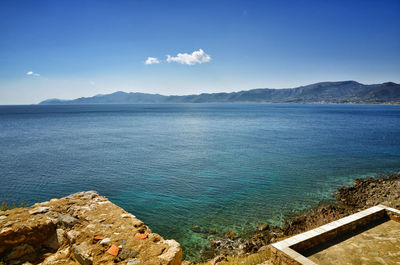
[(5, 207)]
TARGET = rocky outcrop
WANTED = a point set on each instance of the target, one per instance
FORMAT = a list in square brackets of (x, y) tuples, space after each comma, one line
[(83, 228)]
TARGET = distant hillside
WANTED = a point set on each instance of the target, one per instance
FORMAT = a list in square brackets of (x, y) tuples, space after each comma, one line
[(324, 92)]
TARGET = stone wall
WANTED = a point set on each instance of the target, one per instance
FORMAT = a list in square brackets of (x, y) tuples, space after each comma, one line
[(83, 228)]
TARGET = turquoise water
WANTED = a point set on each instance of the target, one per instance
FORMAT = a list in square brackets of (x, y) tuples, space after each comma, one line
[(223, 166)]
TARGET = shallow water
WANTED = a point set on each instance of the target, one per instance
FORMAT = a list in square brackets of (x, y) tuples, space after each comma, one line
[(223, 166)]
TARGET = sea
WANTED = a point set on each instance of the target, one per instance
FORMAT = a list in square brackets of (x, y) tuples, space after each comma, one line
[(228, 167)]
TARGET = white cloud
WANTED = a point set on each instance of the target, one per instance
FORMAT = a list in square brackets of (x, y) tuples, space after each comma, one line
[(32, 73), (92, 83), (152, 60), (190, 59)]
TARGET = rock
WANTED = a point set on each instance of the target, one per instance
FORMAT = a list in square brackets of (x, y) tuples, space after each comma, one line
[(124, 215), (173, 255), (263, 227), (127, 253), (19, 251), (101, 220), (231, 235), (212, 231), (52, 242), (40, 209), (43, 234), (263, 248), (67, 220), (72, 235), (58, 257), (218, 259), (61, 236), (82, 254), (196, 229), (6, 231), (133, 262), (105, 241)]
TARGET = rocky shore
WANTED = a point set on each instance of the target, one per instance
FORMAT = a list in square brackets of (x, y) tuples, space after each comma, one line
[(364, 193), (86, 228)]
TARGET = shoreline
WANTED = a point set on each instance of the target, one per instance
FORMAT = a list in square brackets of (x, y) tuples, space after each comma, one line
[(362, 194)]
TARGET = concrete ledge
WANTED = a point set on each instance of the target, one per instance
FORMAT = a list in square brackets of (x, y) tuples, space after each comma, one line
[(289, 251)]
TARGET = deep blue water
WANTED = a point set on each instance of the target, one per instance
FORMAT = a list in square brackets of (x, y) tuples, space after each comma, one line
[(223, 166)]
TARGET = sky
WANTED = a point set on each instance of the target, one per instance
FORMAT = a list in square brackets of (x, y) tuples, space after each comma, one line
[(69, 49)]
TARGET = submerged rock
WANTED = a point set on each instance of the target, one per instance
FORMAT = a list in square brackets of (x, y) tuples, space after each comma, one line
[(196, 229), (231, 235), (263, 227)]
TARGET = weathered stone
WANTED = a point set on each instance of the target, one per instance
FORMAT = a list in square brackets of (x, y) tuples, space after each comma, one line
[(58, 257), (40, 209), (105, 241), (66, 221), (61, 236), (52, 242), (127, 253), (82, 254), (133, 262), (19, 251), (72, 235), (32, 231), (173, 255)]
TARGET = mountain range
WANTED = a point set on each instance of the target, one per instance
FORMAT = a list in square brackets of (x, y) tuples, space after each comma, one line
[(323, 92)]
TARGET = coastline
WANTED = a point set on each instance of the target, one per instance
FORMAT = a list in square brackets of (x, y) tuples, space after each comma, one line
[(362, 194)]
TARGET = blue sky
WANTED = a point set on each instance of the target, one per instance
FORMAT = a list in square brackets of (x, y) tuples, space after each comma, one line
[(69, 49)]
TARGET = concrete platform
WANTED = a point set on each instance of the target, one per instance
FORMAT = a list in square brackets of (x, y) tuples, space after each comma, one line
[(354, 239)]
